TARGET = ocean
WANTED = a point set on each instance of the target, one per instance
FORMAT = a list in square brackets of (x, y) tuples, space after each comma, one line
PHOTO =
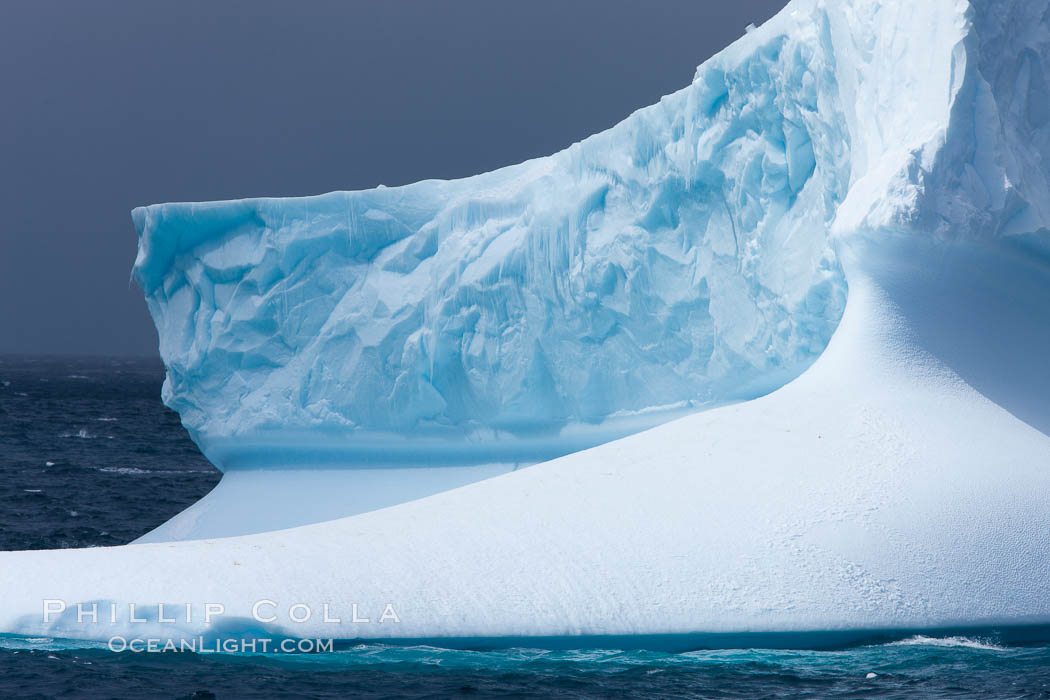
[(90, 457)]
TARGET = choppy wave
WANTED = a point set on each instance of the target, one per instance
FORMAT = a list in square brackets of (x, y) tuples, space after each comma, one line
[(425, 654), (135, 471), (83, 434), (915, 667), (45, 479), (123, 470), (960, 642)]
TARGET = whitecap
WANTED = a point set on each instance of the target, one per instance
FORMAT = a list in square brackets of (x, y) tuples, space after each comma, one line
[(963, 642), (85, 435), (124, 470)]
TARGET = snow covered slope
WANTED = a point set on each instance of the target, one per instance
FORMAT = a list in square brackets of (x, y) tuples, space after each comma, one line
[(901, 482)]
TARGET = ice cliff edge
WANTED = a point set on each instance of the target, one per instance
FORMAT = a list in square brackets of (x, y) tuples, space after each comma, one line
[(686, 256)]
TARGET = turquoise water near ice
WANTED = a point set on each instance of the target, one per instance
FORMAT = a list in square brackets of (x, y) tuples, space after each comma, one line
[(915, 667)]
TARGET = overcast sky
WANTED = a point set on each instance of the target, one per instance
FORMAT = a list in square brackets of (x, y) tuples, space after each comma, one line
[(109, 104)]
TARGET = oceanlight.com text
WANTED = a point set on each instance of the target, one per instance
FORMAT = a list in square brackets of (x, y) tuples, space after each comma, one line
[(200, 645)]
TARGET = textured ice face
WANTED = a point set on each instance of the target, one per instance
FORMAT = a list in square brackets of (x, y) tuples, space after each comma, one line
[(677, 259), (680, 258), (949, 116)]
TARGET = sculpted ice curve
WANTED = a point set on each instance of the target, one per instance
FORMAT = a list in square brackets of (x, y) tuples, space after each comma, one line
[(682, 259), (683, 252), (677, 260)]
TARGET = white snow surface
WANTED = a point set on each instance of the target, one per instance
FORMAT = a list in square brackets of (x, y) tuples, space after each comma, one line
[(703, 245)]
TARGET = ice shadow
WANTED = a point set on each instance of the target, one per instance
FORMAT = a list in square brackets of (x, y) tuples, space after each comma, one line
[(983, 309)]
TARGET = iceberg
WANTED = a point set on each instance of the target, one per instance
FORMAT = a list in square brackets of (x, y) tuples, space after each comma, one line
[(771, 350), (683, 256)]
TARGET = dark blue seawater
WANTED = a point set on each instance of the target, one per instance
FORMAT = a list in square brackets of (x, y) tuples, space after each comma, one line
[(90, 457)]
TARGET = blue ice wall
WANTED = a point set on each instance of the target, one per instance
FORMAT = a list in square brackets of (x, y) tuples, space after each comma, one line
[(683, 258), (677, 260)]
